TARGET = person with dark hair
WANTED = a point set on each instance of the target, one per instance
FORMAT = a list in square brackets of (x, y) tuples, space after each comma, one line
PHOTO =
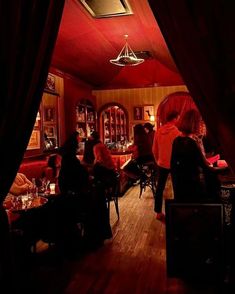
[(88, 156), (142, 153), (148, 127), (193, 179), (81, 196), (73, 175), (162, 146), (104, 167), (142, 142)]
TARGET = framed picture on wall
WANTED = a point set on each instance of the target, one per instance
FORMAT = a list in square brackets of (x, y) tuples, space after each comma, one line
[(34, 141), (49, 131), (50, 83), (138, 113), (148, 111), (49, 114)]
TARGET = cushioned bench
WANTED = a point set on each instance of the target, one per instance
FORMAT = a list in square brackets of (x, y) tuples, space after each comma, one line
[(36, 169)]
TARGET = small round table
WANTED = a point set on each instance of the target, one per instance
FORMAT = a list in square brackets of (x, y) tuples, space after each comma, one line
[(21, 203)]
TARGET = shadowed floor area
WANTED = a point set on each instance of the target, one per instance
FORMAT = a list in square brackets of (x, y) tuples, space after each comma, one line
[(133, 261)]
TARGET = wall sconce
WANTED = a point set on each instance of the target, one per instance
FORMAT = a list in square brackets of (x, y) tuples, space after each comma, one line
[(151, 116)]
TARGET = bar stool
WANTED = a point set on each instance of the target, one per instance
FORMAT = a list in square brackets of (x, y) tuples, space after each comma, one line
[(148, 177)]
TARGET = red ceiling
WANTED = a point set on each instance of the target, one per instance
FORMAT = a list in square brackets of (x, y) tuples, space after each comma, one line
[(85, 45)]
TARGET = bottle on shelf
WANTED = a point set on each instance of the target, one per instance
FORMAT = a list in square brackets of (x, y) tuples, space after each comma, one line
[(86, 119), (114, 123)]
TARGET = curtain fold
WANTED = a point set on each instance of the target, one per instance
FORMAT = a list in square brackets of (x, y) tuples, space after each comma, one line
[(200, 36), (28, 30)]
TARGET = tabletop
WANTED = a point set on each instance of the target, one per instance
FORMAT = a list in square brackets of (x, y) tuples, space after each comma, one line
[(23, 203)]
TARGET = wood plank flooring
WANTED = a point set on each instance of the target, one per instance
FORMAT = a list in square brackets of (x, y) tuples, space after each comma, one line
[(134, 261)]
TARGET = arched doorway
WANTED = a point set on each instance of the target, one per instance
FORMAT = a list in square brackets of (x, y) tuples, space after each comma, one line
[(178, 101)]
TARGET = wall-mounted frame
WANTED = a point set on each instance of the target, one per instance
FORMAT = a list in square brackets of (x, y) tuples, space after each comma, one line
[(50, 83), (49, 114), (138, 113), (34, 141), (148, 111), (50, 131)]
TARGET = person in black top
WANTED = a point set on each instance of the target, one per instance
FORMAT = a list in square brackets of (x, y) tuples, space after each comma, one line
[(148, 127), (89, 157), (193, 179), (82, 197), (73, 176)]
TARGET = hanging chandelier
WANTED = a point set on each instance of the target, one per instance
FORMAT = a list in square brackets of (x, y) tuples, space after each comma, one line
[(127, 56)]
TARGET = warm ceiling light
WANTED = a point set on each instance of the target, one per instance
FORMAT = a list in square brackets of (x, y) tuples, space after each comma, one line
[(152, 118), (127, 56)]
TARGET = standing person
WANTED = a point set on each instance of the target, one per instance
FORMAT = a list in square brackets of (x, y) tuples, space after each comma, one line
[(162, 147), (193, 179), (148, 127)]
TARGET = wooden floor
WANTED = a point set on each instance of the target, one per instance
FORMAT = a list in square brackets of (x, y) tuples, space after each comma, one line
[(134, 261)]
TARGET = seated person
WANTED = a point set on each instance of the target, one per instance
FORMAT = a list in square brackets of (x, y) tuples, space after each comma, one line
[(104, 168), (73, 176), (89, 157), (142, 153), (20, 185), (74, 182)]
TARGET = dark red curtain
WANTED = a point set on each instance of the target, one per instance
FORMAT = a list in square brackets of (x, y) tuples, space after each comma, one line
[(28, 31), (200, 36)]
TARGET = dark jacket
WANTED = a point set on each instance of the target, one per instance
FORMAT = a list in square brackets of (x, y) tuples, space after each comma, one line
[(73, 176), (193, 179)]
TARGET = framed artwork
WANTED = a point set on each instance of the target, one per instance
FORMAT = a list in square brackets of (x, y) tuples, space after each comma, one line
[(50, 83), (49, 131), (148, 111), (49, 114), (34, 141), (138, 113)]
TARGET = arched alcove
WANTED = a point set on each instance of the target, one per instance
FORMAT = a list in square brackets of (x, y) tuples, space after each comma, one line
[(113, 123), (178, 101), (85, 118)]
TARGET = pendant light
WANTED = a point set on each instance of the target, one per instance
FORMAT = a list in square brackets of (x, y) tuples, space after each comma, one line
[(127, 56)]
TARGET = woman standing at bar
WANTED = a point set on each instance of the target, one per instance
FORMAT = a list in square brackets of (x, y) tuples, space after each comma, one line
[(193, 179)]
